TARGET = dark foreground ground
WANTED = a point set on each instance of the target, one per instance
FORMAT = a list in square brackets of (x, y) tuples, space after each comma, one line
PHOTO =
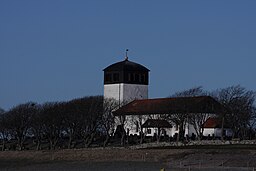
[(122, 159), (84, 166)]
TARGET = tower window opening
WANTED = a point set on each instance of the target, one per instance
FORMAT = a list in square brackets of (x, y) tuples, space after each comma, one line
[(116, 77), (142, 78), (130, 77), (108, 77), (136, 77)]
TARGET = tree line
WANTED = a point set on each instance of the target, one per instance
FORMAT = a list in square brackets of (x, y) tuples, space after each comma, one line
[(87, 121), (58, 124)]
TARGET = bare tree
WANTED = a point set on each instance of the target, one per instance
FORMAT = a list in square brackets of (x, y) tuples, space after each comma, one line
[(37, 126), (90, 109), (3, 128), (192, 92), (123, 121), (138, 120), (52, 122), (180, 120), (81, 118), (19, 121), (108, 119), (72, 118), (196, 119), (239, 103), (252, 125)]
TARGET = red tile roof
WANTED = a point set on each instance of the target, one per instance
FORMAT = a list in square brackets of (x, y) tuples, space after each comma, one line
[(200, 104), (212, 123)]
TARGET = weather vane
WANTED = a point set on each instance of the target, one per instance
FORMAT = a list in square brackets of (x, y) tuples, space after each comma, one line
[(126, 54)]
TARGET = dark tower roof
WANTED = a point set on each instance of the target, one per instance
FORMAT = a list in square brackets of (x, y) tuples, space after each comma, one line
[(126, 65), (126, 72)]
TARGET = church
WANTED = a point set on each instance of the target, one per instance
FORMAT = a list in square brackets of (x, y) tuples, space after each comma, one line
[(127, 82)]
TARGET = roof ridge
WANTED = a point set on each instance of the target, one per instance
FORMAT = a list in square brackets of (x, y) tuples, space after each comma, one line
[(168, 98)]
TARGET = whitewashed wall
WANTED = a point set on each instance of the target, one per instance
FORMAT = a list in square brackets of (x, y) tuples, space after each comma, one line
[(125, 92), (217, 132), (209, 131), (134, 91), (114, 91)]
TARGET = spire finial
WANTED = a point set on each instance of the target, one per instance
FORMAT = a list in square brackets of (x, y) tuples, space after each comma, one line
[(126, 54)]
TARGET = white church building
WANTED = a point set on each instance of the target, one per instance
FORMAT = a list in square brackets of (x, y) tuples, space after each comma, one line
[(127, 82)]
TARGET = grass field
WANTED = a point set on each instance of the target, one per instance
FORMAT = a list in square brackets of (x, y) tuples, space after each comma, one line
[(218, 157)]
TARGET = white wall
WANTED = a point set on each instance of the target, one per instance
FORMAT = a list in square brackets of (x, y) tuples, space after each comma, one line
[(134, 91), (114, 91), (125, 92), (208, 131), (217, 132)]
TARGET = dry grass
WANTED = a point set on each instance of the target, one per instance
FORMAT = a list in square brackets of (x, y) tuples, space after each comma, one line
[(113, 156)]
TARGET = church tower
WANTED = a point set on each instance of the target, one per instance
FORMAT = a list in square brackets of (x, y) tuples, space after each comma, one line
[(126, 81)]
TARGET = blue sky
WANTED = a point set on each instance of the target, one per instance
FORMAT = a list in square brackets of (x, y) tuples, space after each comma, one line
[(56, 50)]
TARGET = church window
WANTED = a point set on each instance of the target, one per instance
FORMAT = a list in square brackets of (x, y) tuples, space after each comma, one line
[(149, 131)]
